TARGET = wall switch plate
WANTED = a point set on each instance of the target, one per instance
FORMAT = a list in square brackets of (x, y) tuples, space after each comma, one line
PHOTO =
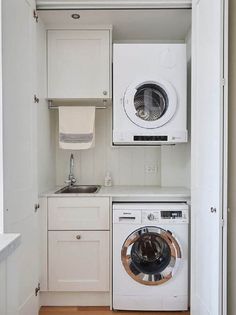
[(150, 169)]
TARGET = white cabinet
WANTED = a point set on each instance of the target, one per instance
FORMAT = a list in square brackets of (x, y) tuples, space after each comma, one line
[(3, 286), (9, 274), (78, 244), (79, 260), (78, 213), (79, 64), (20, 143)]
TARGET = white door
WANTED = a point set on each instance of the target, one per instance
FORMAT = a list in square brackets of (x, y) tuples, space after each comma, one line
[(208, 132), (78, 64), (19, 137), (78, 260)]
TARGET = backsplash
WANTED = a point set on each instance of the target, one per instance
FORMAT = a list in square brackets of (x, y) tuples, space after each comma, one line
[(128, 165)]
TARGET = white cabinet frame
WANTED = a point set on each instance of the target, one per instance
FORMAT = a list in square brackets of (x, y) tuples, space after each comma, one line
[(111, 4)]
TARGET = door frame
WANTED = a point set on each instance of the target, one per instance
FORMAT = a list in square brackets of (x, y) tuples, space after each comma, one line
[(225, 44), (109, 4)]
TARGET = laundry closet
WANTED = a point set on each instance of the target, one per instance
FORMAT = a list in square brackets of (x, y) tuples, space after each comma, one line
[(166, 161)]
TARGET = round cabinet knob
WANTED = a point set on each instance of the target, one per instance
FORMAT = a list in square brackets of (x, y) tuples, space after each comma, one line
[(104, 92), (151, 217), (78, 237)]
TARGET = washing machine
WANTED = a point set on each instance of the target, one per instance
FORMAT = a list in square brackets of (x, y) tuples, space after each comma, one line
[(149, 94), (150, 256)]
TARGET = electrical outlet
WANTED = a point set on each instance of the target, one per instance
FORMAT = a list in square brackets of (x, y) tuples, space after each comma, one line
[(150, 169)]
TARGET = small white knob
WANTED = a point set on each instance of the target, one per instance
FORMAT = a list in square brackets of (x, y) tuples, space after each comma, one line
[(151, 217)]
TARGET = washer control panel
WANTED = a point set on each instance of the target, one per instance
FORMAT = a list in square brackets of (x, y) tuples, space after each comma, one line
[(165, 216), (150, 213)]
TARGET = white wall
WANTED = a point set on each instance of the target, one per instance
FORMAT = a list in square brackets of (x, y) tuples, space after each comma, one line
[(176, 160), (127, 165)]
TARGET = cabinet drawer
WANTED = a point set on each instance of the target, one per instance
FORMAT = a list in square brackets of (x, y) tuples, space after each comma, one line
[(78, 260), (78, 213)]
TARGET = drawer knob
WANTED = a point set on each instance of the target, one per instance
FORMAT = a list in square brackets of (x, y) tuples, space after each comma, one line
[(78, 237)]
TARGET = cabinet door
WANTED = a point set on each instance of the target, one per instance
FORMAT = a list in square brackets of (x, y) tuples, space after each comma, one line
[(78, 64), (79, 261), (209, 122), (78, 213), (19, 141)]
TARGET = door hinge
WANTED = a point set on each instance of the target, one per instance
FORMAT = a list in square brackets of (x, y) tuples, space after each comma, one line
[(223, 81), (37, 289), (35, 15), (36, 99), (222, 223)]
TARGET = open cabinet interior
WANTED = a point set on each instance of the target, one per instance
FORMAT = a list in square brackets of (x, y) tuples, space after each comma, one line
[(126, 164), (34, 163)]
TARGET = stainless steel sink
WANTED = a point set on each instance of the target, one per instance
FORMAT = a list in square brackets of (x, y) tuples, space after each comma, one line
[(79, 189)]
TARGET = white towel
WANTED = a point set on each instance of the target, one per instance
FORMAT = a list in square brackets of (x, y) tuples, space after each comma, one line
[(76, 127)]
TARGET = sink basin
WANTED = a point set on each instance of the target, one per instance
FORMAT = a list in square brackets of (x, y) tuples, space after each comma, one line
[(79, 189)]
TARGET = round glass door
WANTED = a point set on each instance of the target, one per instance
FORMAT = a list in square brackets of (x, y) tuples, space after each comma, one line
[(150, 104), (151, 255)]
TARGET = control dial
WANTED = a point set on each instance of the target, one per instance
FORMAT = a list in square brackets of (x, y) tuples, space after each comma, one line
[(151, 217)]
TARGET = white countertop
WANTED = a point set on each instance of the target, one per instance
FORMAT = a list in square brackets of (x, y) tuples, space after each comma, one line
[(8, 243), (131, 192)]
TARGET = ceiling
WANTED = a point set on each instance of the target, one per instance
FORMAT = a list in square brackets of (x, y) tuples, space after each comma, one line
[(128, 25)]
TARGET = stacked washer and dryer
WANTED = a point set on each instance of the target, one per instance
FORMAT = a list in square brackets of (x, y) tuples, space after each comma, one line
[(150, 240)]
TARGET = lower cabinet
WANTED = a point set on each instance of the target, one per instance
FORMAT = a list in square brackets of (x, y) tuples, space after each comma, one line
[(78, 260)]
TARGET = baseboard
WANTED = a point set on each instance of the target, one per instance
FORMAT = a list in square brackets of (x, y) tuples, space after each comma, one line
[(74, 299), (30, 306)]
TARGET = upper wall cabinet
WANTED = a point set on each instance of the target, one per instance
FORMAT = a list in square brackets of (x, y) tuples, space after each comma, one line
[(79, 64)]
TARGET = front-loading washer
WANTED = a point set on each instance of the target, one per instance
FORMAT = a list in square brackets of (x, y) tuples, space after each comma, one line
[(150, 256), (149, 94)]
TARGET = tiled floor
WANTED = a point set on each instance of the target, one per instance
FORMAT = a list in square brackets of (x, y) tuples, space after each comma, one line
[(97, 311)]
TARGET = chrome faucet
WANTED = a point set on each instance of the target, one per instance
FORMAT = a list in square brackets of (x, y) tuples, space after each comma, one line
[(71, 178)]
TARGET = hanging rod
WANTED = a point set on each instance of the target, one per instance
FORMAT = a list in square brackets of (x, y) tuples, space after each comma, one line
[(51, 106), (108, 4)]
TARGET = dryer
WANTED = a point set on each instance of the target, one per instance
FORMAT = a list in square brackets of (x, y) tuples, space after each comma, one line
[(150, 256), (149, 94)]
